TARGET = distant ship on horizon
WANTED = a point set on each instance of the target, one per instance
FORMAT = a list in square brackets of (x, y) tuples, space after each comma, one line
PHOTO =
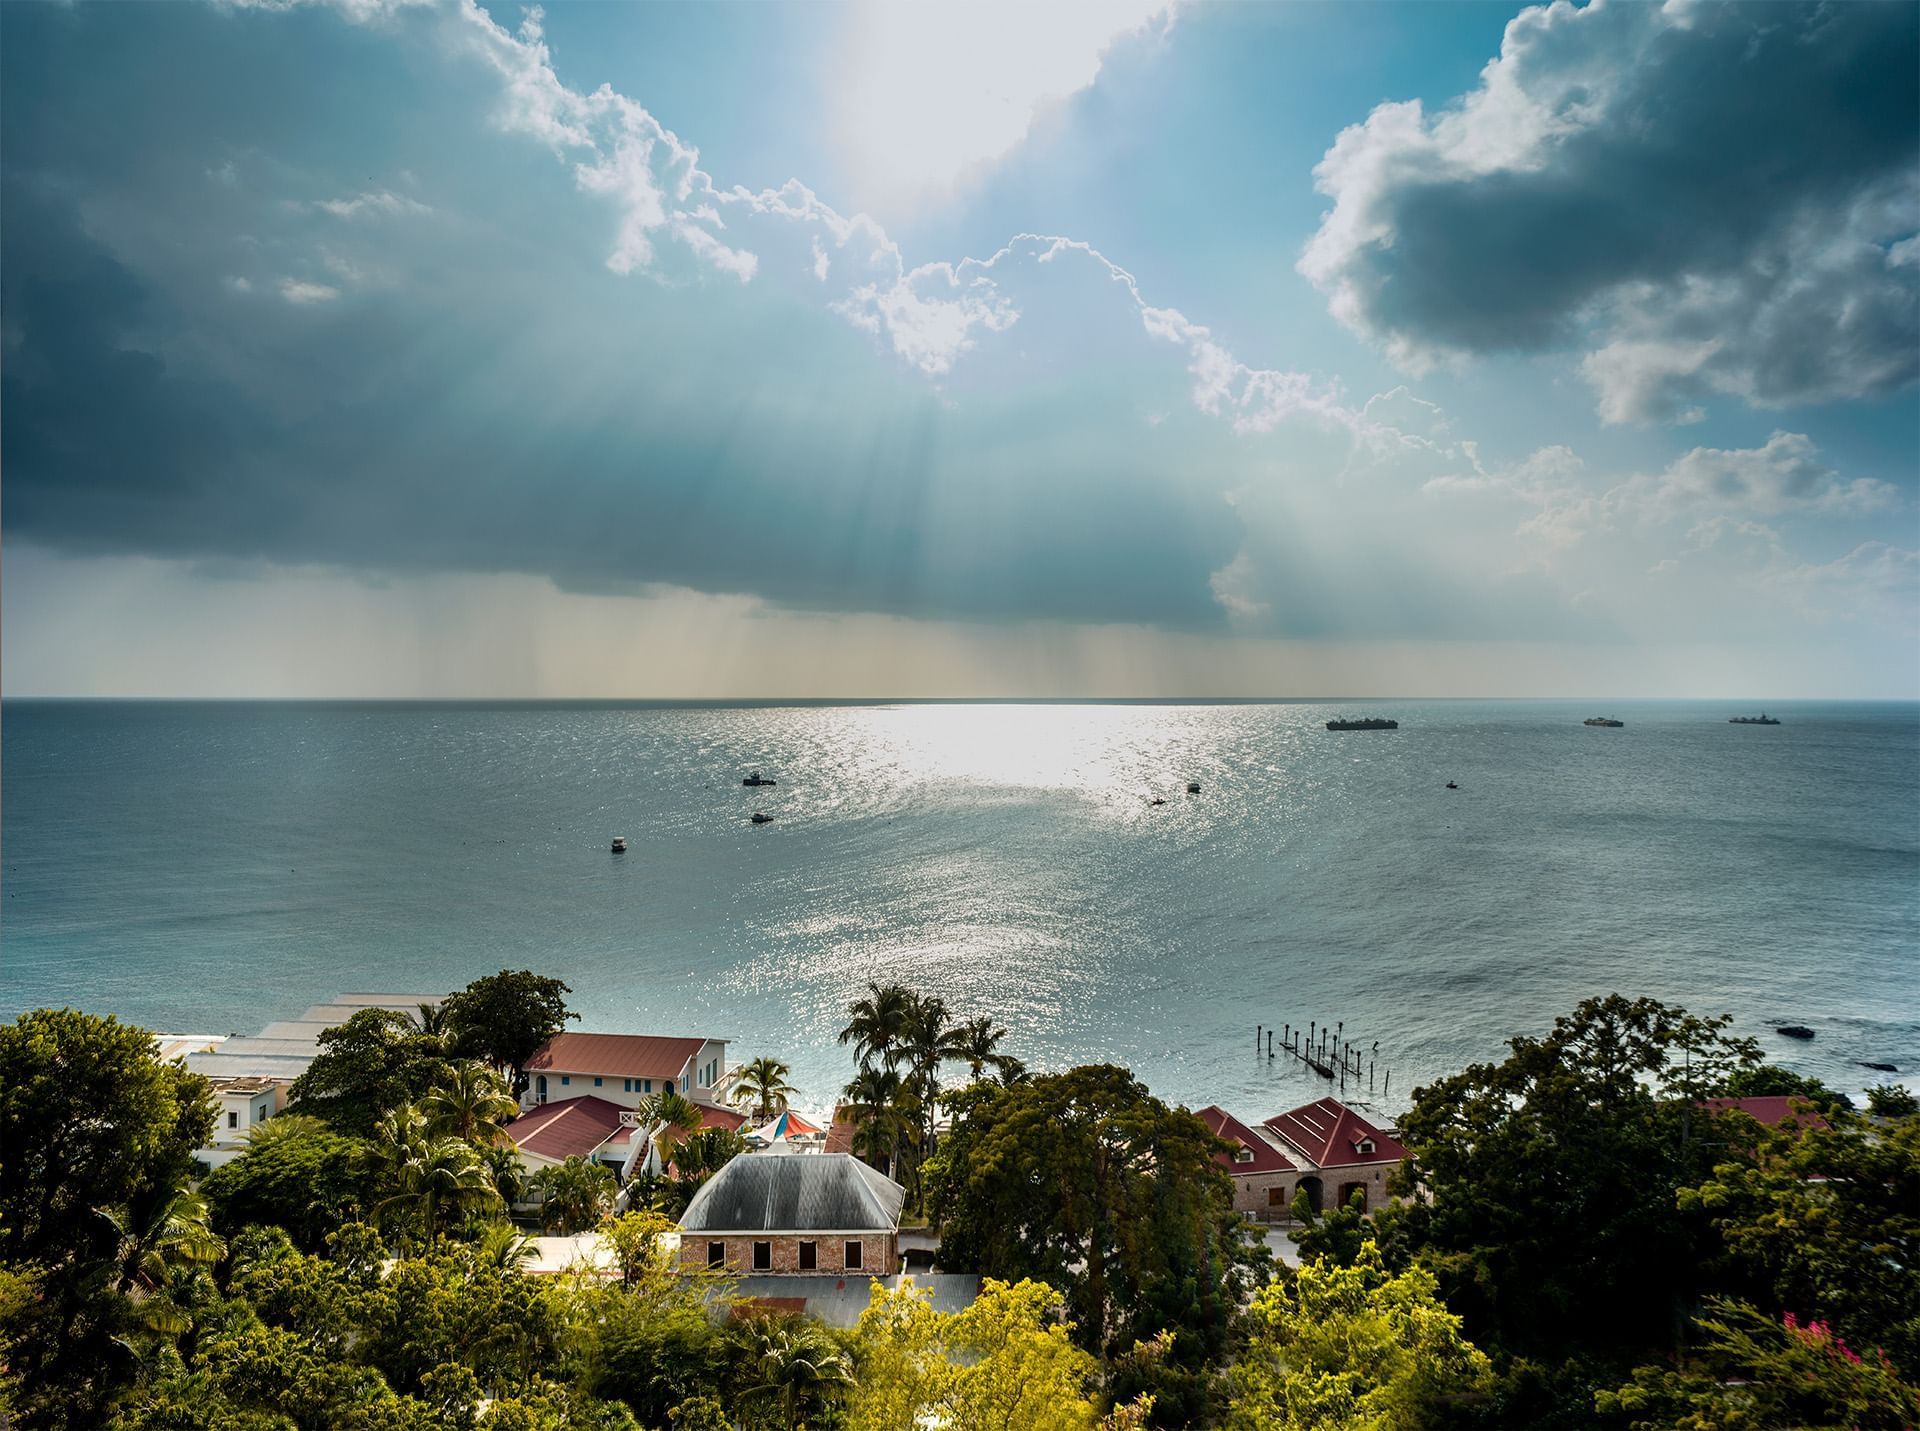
[(1762, 719), (1370, 723), (1602, 720)]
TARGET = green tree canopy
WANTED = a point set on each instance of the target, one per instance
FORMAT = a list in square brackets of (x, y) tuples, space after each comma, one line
[(1824, 1224), (506, 1017), (1353, 1348), (375, 1062), (1549, 1181), (97, 1137), (1754, 1372), (89, 1118), (296, 1173), (574, 1195), (1007, 1360), (1085, 1181), (1891, 1100)]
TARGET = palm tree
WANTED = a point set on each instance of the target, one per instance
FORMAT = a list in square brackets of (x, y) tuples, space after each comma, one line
[(976, 1043), (504, 1246), (165, 1229), (873, 1103), (928, 1038), (502, 1162), (877, 1023), (472, 1105), (798, 1367), (763, 1082), (435, 1176), (670, 1119), (574, 1195)]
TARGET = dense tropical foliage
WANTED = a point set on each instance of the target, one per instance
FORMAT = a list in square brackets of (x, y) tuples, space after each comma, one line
[(1585, 1244)]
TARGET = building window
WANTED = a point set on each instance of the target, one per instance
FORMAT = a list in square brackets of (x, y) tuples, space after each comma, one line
[(565, 1079), (543, 1088), (669, 1085), (1277, 1196), (1366, 1145), (1245, 1155), (649, 1087), (809, 1256), (855, 1252), (716, 1254), (763, 1256), (626, 1085), (596, 1083), (233, 1120)]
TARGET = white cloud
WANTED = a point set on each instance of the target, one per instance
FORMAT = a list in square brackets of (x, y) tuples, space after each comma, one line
[(304, 294), (375, 203), (1784, 475), (925, 92)]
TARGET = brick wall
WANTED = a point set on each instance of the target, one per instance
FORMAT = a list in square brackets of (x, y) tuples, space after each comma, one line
[(880, 1256)]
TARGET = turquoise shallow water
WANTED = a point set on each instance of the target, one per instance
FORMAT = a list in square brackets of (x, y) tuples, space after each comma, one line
[(208, 867)]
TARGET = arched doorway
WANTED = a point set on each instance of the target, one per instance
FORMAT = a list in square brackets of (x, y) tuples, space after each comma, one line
[(1311, 1187)]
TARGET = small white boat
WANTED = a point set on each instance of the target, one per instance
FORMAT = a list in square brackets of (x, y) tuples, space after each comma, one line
[(619, 844)]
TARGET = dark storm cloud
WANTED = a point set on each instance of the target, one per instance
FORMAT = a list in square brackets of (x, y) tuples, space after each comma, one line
[(361, 442), (1721, 191)]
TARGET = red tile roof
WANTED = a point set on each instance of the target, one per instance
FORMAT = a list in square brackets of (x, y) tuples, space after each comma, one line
[(714, 1117), (1266, 1158), (621, 1055), (840, 1135), (570, 1128), (1330, 1134), (1770, 1111)]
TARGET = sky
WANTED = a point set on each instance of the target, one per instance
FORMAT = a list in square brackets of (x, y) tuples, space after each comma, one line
[(381, 348)]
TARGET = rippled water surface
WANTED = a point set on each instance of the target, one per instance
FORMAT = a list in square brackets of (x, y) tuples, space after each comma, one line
[(210, 867)]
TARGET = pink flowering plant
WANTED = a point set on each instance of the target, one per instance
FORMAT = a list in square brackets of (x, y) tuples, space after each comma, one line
[(1755, 1373)]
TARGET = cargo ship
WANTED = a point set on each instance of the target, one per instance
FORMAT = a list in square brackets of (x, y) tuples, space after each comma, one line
[(1371, 723), (1602, 720), (1762, 719)]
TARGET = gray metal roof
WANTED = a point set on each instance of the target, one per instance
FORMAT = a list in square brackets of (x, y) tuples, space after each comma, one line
[(799, 1192)]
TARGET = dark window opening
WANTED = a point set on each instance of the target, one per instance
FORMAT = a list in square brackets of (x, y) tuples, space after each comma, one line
[(716, 1254), (809, 1256), (855, 1252), (763, 1256)]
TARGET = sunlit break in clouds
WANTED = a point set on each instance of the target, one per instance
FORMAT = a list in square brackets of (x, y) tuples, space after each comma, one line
[(1105, 349)]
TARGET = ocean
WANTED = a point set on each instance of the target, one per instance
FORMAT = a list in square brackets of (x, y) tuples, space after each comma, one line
[(209, 867)]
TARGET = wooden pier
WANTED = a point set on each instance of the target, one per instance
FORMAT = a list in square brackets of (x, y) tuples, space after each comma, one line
[(1329, 1053)]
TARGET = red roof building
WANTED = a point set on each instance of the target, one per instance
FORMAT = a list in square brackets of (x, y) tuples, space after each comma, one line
[(1332, 1135), (573, 1128), (712, 1115), (1770, 1111), (1265, 1176), (1255, 1152), (624, 1068)]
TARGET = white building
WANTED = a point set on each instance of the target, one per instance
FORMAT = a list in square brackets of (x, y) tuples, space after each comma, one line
[(624, 1068), (243, 1104)]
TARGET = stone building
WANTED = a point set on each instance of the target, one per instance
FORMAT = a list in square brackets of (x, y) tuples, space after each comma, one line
[(1324, 1149), (808, 1214)]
